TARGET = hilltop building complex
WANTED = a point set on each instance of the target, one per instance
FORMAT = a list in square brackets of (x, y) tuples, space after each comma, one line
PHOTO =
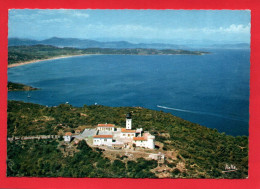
[(109, 135)]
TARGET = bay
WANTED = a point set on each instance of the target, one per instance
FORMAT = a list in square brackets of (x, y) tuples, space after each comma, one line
[(212, 89)]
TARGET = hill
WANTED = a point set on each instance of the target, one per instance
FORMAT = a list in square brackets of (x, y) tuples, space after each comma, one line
[(87, 43), (200, 152)]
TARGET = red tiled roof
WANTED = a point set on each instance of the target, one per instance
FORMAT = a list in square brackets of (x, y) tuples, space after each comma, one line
[(123, 130), (68, 134), (103, 136), (106, 125), (139, 138)]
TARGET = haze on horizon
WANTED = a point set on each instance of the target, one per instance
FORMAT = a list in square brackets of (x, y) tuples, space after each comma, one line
[(136, 26)]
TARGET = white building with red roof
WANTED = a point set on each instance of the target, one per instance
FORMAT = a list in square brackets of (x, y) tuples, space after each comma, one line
[(145, 141), (67, 137), (127, 133), (102, 140), (106, 127)]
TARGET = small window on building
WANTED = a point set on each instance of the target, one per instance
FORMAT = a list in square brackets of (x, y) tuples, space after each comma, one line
[(105, 139), (128, 134)]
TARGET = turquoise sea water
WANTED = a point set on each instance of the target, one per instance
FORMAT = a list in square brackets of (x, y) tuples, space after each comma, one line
[(212, 90)]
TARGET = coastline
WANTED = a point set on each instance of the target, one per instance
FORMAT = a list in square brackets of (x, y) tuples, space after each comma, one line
[(35, 61), (68, 56)]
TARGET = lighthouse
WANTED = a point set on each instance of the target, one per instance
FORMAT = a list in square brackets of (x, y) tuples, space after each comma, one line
[(129, 121)]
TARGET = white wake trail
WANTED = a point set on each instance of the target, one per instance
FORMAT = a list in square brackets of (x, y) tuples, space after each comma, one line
[(203, 113), (180, 110)]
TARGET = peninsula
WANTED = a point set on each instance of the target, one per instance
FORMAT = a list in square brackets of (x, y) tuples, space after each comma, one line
[(20, 55), (19, 87)]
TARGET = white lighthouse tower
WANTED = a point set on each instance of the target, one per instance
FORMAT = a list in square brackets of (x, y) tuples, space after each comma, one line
[(129, 121)]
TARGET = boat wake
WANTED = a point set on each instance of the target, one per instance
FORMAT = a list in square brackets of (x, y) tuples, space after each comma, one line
[(203, 113)]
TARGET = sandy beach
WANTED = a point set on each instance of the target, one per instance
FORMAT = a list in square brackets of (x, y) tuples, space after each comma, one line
[(35, 61)]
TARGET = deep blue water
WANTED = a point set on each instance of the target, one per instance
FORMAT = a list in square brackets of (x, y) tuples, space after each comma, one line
[(212, 90)]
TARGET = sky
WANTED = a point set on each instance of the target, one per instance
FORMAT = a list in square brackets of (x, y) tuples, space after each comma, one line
[(137, 26)]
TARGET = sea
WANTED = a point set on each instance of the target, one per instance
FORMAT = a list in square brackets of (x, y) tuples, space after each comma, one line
[(211, 89)]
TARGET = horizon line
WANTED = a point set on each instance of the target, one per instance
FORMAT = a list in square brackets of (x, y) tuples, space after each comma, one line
[(197, 42)]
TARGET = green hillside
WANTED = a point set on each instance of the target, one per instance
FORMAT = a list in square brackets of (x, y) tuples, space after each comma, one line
[(202, 152)]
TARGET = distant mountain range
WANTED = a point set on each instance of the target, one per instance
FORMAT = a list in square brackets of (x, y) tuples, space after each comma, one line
[(87, 43)]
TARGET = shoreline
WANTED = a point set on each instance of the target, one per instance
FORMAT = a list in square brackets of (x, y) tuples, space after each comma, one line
[(69, 56), (40, 60)]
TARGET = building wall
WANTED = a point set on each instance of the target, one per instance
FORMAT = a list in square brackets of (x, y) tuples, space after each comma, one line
[(145, 143), (150, 143), (127, 135), (102, 141), (67, 138), (140, 143), (105, 128)]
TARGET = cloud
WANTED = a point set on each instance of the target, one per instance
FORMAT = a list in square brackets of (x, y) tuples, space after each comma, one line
[(149, 31), (55, 20), (240, 28), (236, 28), (46, 14), (82, 15)]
